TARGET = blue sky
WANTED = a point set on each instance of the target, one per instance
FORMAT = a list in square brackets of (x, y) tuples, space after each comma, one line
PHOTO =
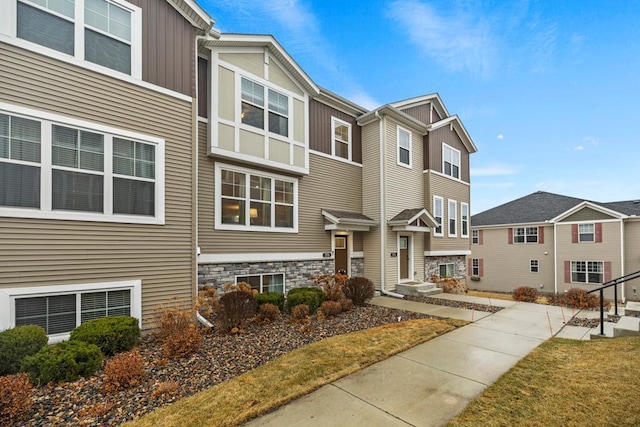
[(548, 90)]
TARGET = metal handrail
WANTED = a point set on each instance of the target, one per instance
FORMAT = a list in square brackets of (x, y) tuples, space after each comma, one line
[(608, 284)]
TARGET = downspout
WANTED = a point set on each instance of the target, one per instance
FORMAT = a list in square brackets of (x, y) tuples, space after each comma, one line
[(199, 316), (555, 258), (383, 212), (622, 273)]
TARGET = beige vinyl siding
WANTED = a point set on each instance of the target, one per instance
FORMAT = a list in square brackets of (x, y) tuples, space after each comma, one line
[(357, 241), (506, 267), (226, 94), (251, 62), (632, 257), (371, 199), (50, 252), (448, 189), (279, 77), (343, 180), (587, 214), (608, 250), (299, 121), (450, 137)]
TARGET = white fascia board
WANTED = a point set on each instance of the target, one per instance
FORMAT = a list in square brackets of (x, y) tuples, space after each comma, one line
[(591, 205), (512, 225), (227, 258), (339, 103), (346, 227), (413, 228), (193, 13), (447, 253), (457, 123), (433, 98)]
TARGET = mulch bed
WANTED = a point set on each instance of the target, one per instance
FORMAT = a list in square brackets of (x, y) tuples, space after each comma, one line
[(456, 304), (221, 358)]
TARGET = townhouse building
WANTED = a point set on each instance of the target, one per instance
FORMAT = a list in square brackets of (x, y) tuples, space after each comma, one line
[(553, 243)]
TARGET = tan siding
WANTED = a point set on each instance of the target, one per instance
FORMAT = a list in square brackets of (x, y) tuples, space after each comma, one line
[(226, 94), (250, 62), (280, 78), (587, 214), (450, 137), (371, 199), (168, 55), (298, 121), (448, 189), (632, 257), (69, 252), (507, 267), (344, 181), (320, 129), (357, 241)]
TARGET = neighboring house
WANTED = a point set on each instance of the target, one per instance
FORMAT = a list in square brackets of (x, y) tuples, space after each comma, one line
[(294, 180), (554, 243), (97, 178)]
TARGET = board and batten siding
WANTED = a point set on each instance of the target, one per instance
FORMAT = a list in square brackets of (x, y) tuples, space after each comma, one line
[(320, 137), (167, 47), (506, 267), (37, 252), (433, 155), (421, 113), (331, 184), (448, 189)]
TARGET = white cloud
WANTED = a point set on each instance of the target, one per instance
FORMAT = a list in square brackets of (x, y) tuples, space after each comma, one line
[(501, 136), (592, 140), (578, 148), (460, 41)]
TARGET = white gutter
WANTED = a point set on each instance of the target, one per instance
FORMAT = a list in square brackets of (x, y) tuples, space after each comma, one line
[(622, 273), (383, 212)]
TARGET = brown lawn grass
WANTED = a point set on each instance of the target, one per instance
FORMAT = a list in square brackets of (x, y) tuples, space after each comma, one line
[(295, 374), (564, 383), (496, 295)]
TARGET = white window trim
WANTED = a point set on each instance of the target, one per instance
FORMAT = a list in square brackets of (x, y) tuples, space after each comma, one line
[(436, 198), (404, 165), (446, 146), (336, 121), (455, 218), (525, 236), (475, 237), (218, 204), (267, 86), (592, 233), (531, 266), (9, 29), (261, 275), (464, 205), (586, 264), (447, 263), (475, 264), (9, 295), (46, 212)]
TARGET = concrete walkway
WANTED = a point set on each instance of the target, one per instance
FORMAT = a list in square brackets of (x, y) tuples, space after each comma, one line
[(432, 382)]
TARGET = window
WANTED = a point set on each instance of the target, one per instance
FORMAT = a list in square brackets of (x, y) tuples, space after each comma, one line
[(264, 282), (404, 147), (83, 185), (475, 237), (341, 132), (248, 199), (475, 267), (450, 161), (438, 204), (464, 219), (587, 272), (586, 233), (61, 308), (103, 32), (453, 215), (253, 112), (534, 266), (525, 235), (447, 270)]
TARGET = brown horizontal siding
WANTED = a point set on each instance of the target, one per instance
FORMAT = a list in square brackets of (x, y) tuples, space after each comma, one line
[(320, 137), (50, 252), (433, 156)]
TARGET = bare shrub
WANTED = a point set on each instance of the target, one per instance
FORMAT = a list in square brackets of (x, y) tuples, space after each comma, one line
[(300, 313), (177, 329), (359, 290), (165, 387), (332, 285), (236, 307), (15, 398), (450, 285), (347, 304), (123, 370), (267, 313), (331, 308), (525, 294)]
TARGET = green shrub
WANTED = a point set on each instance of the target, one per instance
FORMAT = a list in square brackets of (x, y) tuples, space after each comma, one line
[(525, 294), (65, 361), (17, 343), (275, 298), (112, 334), (311, 297), (359, 290)]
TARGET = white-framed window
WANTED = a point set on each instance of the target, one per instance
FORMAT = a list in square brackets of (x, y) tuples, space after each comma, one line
[(61, 168), (341, 138), (587, 272), (107, 33), (447, 270), (438, 215), (586, 233), (264, 282), (404, 147), (525, 235), (475, 237), (464, 219), (61, 308), (254, 200), (253, 112), (452, 215), (475, 266), (450, 161), (534, 266)]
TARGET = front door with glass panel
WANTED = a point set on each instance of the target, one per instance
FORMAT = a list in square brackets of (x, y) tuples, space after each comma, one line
[(404, 255)]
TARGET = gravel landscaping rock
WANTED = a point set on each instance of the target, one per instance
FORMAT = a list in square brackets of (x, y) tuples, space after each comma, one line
[(221, 358), (456, 304)]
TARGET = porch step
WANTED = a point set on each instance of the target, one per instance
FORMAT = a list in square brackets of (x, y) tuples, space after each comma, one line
[(417, 288), (632, 309), (625, 327)]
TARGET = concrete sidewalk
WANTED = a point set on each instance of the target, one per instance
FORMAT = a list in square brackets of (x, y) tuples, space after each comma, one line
[(432, 382)]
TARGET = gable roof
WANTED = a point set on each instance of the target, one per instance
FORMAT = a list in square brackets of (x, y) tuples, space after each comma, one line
[(193, 13), (542, 206), (406, 218), (433, 98), (347, 220)]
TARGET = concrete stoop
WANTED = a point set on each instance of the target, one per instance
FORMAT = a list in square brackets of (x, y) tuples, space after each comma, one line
[(627, 326), (632, 309), (418, 288)]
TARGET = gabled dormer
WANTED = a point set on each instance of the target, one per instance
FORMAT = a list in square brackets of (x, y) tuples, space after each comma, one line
[(259, 103)]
